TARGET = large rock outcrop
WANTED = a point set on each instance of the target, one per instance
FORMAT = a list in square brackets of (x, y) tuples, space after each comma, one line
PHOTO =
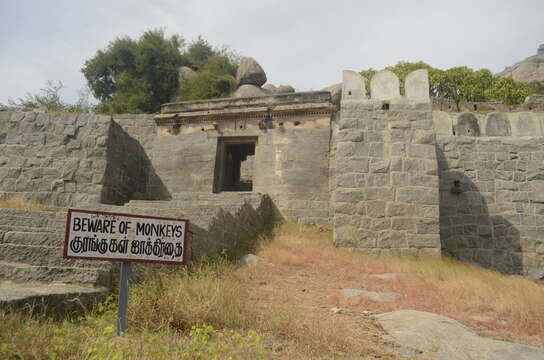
[(250, 73), (530, 69)]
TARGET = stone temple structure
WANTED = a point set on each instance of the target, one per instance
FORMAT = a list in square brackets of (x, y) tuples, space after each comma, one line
[(394, 173)]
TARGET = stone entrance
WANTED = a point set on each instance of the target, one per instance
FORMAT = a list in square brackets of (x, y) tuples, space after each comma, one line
[(234, 164)]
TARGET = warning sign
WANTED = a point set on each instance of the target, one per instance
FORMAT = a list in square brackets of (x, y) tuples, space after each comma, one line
[(94, 235)]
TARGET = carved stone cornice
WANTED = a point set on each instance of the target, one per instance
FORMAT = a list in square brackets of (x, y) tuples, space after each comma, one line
[(309, 104)]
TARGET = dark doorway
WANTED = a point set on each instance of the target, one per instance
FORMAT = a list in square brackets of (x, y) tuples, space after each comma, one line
[(234, 164)]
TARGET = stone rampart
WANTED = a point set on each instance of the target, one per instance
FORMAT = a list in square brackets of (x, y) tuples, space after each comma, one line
[(386, 191), (492, 201)]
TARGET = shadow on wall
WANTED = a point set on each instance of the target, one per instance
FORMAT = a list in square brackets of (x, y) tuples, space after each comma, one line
[(129, 173), (467, 231)]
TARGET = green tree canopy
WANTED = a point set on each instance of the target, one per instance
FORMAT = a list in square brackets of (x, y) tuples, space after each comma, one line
[(137, 76), (462, 83)]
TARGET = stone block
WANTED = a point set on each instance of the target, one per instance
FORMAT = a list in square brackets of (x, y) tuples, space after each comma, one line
[(375, 209), (391, 239), (418, 195), (379, 165)]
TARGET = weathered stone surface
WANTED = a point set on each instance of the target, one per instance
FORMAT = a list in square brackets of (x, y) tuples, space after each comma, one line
[(385, 85), (416, 86), (184, 73), (336, 93), (250, 260), (282, 89), (439, 337), (353, 86), (55, 297), (376, 296), (384, 276), (467, 125), (245, 91), (250, 73), (497, 124)]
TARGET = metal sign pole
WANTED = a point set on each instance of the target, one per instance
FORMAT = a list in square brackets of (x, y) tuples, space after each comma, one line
[(123, 298)]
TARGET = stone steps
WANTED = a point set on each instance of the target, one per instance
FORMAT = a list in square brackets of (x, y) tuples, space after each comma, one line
[(25, 272), (33, 238), (43, 256)]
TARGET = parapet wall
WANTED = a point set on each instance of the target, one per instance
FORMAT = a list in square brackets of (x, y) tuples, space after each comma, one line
[(386, 191), (492, 201)]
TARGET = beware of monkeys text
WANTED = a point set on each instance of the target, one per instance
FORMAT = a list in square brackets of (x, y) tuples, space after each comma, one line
[(96, 235)]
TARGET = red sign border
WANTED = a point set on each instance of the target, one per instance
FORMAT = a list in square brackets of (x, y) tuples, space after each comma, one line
[(67, 233)]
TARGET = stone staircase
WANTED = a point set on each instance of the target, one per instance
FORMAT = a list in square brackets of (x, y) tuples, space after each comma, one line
[(33, 269), (31, 249)]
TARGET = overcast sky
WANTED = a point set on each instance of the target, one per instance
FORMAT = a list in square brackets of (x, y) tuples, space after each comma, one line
[(302, 43)]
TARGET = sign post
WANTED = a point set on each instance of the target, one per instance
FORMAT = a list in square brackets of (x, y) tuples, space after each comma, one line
[(93, 235), (123, 298)]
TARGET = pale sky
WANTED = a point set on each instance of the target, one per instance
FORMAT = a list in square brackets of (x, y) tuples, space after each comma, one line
[(305, 44)]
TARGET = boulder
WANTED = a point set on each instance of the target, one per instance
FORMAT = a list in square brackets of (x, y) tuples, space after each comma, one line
[(250, 259), (184, 73), (249, 91), (269, 88), (282, 89), (440, 337), (250, 73)]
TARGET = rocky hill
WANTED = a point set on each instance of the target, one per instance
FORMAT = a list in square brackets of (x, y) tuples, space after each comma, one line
[(530, 69)]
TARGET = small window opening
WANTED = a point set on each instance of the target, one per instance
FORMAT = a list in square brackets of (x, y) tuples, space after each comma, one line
[(235, 165), (385, 106), (297, 123), (349, 93), (475, 107)]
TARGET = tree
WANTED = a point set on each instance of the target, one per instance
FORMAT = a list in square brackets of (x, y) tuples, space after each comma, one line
[(215, 72), (135, 75), (508, 91)]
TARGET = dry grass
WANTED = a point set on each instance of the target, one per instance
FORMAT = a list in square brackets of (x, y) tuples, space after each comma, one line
[(509, 307), (17, 202)]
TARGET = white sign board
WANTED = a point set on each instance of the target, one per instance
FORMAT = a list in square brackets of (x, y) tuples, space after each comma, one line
[(93, 235)]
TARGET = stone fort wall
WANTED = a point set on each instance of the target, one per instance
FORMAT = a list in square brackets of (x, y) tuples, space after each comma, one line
[(393, 173), (491, 168)]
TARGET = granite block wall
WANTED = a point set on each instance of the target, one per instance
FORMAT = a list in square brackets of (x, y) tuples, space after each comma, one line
[(386, 191), (494, 215), (53, 158)]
